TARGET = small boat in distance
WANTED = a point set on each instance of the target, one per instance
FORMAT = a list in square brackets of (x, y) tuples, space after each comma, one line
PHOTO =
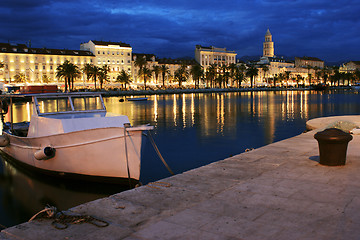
[(356, 87), (70, 135), (137, 99)]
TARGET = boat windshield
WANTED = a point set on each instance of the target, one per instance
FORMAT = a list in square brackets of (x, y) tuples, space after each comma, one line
[(68, 104)]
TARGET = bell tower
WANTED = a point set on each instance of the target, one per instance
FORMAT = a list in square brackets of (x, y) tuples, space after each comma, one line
[(268, 46)]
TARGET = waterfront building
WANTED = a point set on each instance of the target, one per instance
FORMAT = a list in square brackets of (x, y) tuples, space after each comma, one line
[(268, 45), (306, 62), (350, 67), (116, 55), (207, 56), (37, 64)]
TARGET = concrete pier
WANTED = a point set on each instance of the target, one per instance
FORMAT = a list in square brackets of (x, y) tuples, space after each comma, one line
[(279, 191)]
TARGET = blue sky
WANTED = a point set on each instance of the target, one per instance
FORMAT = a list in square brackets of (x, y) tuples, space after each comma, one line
[(329, 30)]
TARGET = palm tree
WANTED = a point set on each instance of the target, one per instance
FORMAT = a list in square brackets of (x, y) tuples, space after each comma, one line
[(68, 71), (211, 74), (225, 75), (104, 70), (317, 73), (197, 72), (146, 72), (252, 72), (281, 77), (156, 71), (287, 77), (239, 76), (140, 62), (123, 78), (309, 74), (298, 79), (181, 74), (19, 78), (357, 75), (265, 69), (88, 70), (95, 73), (45, 79), (232, 68), (164, 70)]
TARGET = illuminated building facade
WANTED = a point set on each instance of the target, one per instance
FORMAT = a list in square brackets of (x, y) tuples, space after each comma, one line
[(350, 67), (206, 56), (268, 45), (308, 61), (116, 55), (36, 63)]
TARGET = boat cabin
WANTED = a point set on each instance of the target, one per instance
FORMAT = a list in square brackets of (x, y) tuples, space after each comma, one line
[(61, 113)]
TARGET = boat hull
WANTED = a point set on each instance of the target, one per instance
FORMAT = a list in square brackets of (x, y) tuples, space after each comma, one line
[(105, 154)]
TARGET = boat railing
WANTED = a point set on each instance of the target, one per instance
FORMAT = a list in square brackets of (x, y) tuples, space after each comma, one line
[(41, 97)]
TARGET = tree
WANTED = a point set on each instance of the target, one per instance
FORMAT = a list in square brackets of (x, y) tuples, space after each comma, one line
[(123, 78), (103, 76), (211, 74), (146, 73), (239, 77), (19, 78), (197, 72), (164, 70), (95, 73), (232, 68), (140, 61), (357, 75), (181, 74), (68, 71), (225, 75), (281, 77), (156, 71), (45, 79), (88, 70), (252, 72), (298, 79), (309, 74), (265, 69), (287, 76)]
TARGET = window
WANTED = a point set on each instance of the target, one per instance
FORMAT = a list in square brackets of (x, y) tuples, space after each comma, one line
[(43, 67)]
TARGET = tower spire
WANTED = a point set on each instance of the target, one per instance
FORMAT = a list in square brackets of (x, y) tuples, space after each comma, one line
[(268, 46)]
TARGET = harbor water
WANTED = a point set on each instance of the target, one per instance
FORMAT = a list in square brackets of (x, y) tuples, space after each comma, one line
[(191, 130)]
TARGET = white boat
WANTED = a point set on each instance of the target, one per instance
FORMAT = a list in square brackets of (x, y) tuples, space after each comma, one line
[(72, 136)]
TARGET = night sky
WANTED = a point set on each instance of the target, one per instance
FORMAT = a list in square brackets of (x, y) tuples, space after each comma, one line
[(329, 30)]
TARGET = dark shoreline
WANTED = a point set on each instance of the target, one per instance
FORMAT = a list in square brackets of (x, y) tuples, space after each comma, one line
[(204, 90)]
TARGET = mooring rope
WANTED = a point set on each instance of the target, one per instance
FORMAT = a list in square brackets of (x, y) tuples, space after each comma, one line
[(61, 220), (158, 153)]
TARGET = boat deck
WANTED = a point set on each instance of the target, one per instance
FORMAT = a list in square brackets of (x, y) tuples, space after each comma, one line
[(279, 191)]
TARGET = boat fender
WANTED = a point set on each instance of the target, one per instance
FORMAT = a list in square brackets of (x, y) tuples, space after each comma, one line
[(4, 141), (45, 153)]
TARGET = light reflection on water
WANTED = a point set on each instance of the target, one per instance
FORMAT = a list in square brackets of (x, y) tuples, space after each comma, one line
[(191, 130)]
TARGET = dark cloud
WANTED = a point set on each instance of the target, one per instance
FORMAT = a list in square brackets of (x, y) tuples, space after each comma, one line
[(325, 29)]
